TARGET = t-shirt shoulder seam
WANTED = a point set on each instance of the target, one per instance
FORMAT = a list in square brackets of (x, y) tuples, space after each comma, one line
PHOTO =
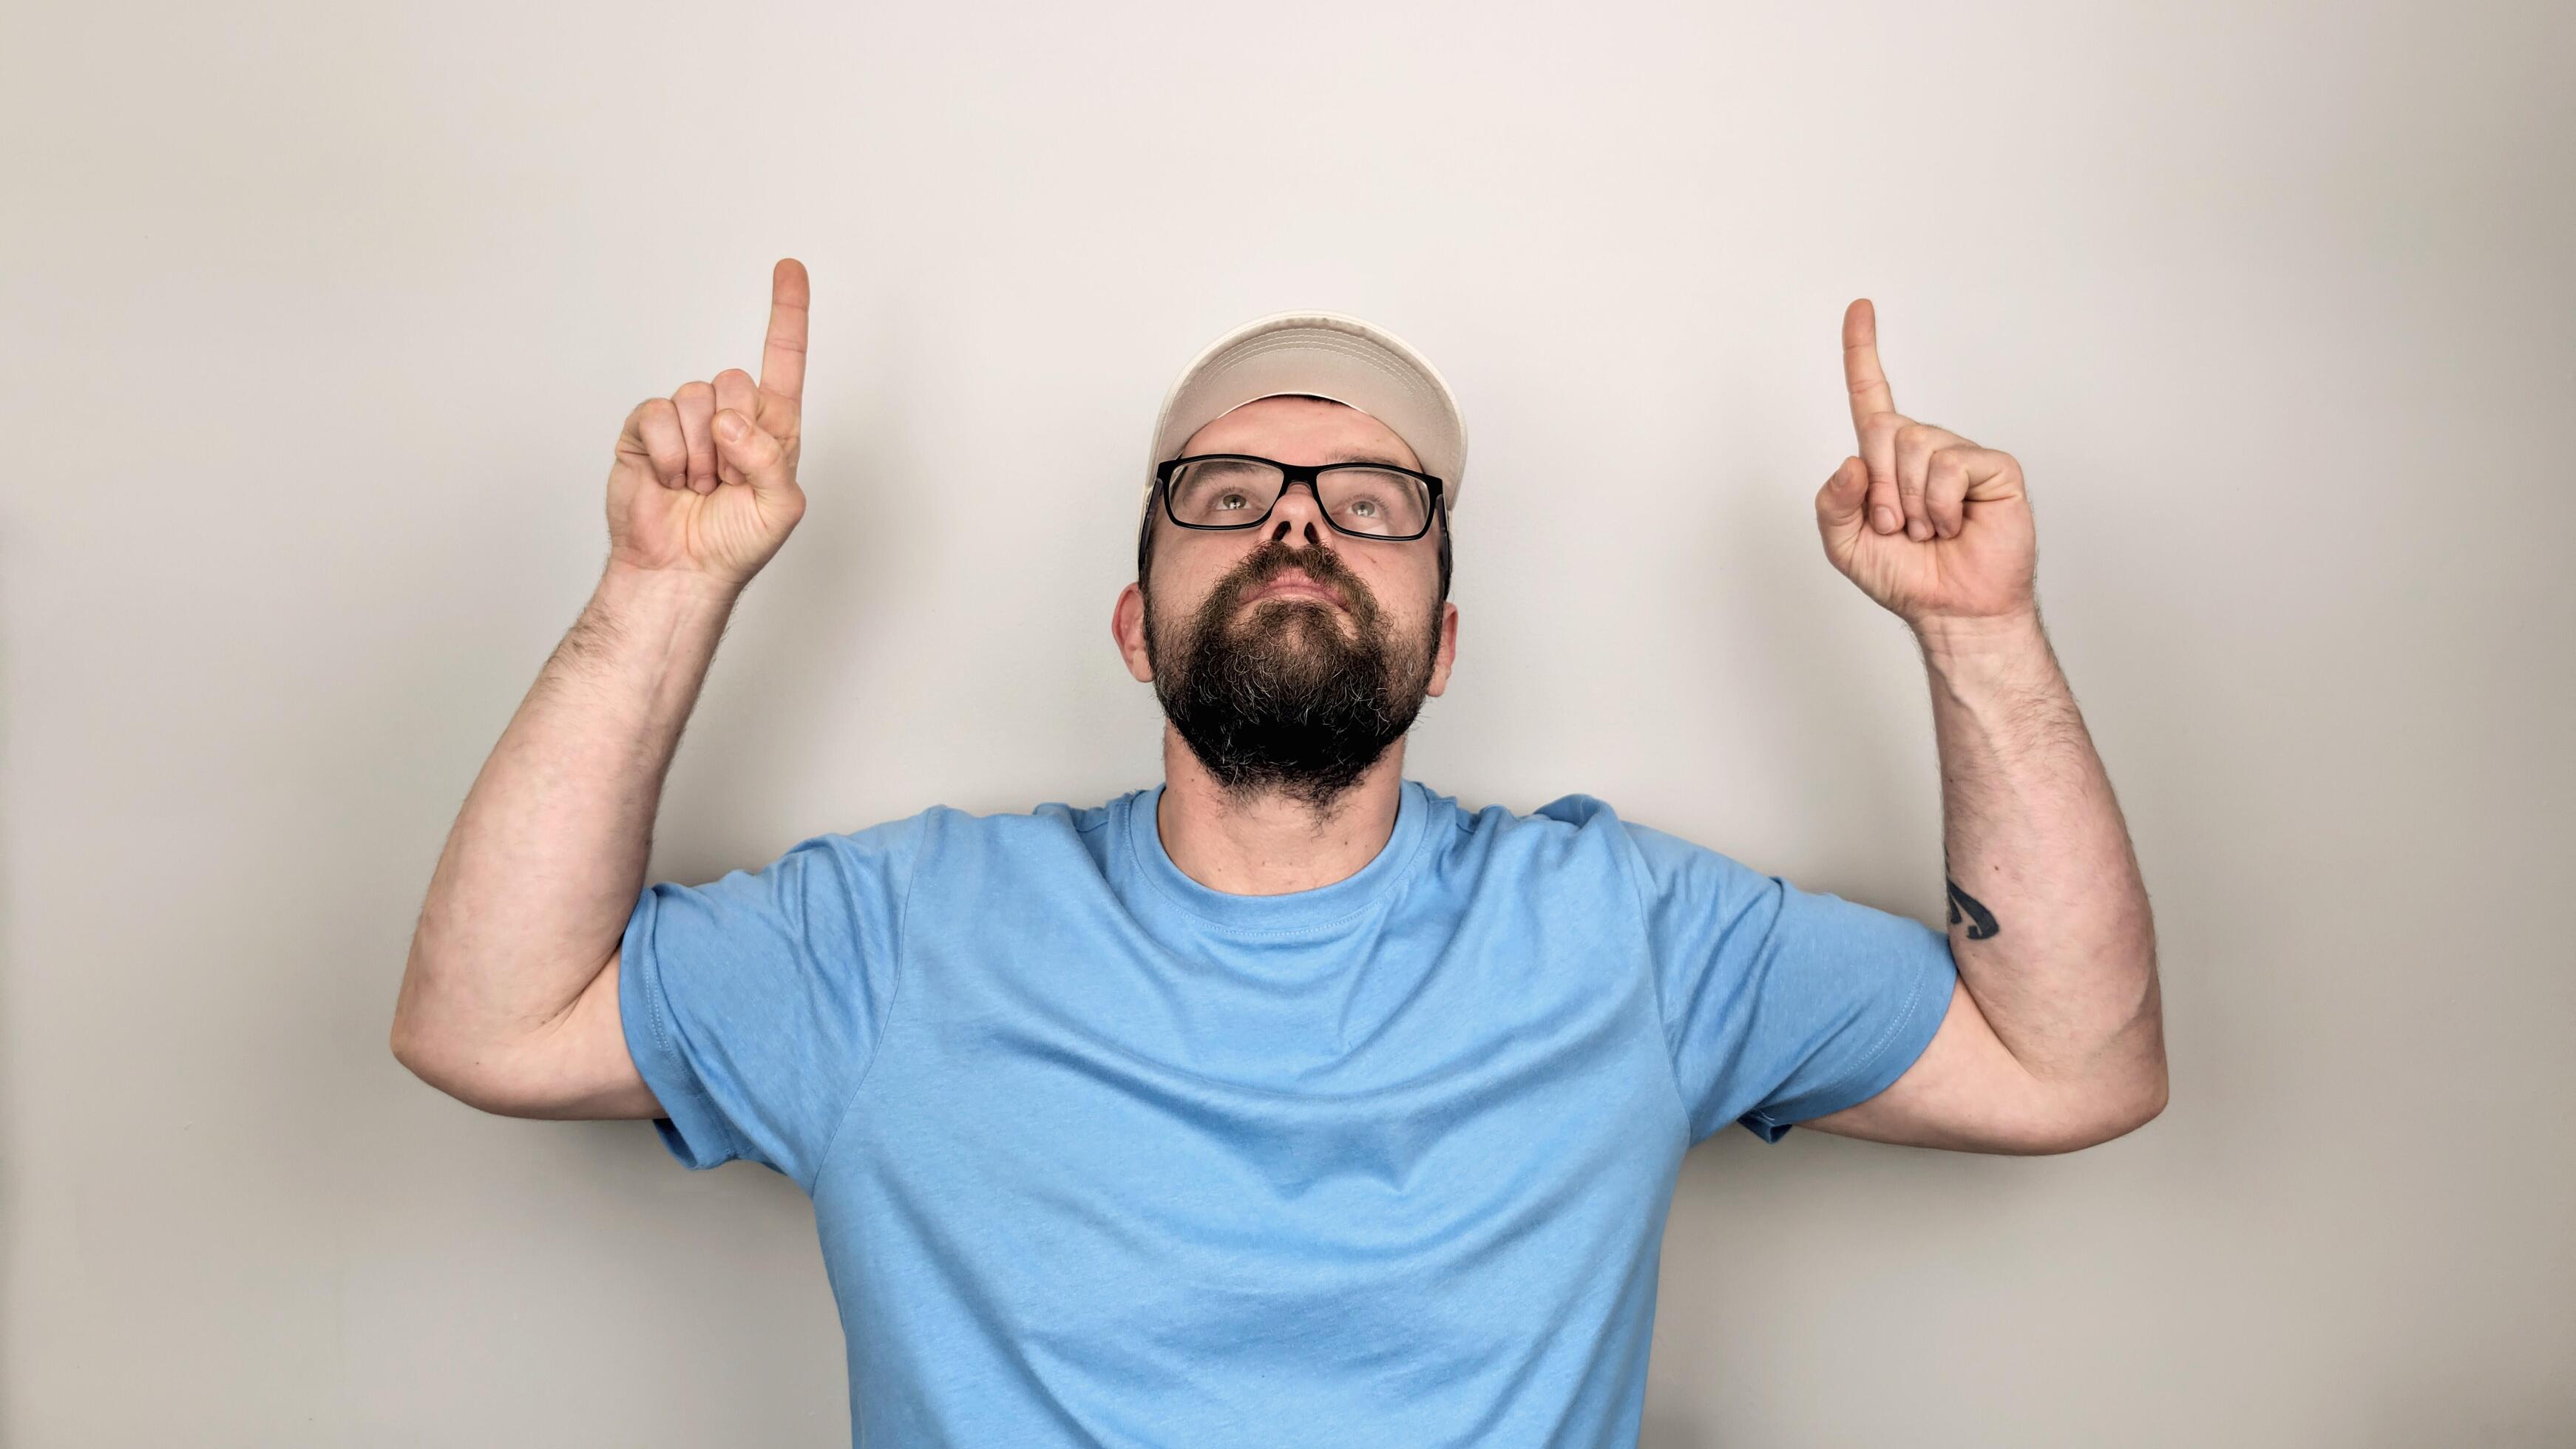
[(894, 999)]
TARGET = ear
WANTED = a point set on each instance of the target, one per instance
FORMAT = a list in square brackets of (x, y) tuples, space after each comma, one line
[(1448, 651), (1127, 627)]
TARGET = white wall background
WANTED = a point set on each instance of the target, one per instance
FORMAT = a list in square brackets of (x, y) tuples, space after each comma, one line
[(317, 322)]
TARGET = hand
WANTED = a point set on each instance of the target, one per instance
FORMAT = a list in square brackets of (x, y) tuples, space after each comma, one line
[(1930, 525), (705, 479)]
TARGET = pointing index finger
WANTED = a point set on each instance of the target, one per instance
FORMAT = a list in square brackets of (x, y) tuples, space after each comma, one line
[(1861, 372), (782, 356)]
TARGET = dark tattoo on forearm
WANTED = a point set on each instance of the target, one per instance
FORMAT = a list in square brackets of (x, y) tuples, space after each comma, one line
[(1981, 922)]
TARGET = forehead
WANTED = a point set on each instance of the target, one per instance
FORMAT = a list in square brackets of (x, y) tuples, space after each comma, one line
[(1303, 430)]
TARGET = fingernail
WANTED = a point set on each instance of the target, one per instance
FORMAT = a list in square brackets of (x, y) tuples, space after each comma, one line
[(1886, 518), (1918, 530), (730, 426)]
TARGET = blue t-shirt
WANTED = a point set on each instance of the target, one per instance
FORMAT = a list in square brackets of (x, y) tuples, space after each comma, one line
[(1100, 1155)]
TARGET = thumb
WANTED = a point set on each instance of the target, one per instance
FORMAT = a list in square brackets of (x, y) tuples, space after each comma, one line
[(1839, 503), (759, 458)]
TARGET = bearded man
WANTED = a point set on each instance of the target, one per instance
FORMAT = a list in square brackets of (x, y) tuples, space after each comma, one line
[(1286, 1101)]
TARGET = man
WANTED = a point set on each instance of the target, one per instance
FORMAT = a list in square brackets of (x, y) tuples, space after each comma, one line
[(1286, 1102)]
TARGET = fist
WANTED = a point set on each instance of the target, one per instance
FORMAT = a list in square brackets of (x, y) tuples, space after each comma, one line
[(1930, 525), (704, 480)]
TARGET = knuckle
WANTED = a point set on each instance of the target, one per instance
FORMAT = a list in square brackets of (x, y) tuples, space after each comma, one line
[(692, 391)]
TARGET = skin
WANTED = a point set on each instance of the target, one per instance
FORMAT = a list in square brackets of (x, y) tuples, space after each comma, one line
[(1271, 843), (509, 995), (2052, 1041), (2054, 1038)]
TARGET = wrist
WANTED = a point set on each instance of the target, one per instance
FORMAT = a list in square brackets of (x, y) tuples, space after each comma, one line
[(1984, 644), (686, 590)]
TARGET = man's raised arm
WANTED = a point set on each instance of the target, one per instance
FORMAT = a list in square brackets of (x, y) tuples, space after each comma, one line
[(509, 996), (2055, 1038)]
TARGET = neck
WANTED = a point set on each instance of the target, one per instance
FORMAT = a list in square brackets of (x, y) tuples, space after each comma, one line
[(1271, 844)]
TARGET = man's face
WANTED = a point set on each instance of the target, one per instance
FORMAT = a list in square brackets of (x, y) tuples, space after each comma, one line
[(1274, 685)]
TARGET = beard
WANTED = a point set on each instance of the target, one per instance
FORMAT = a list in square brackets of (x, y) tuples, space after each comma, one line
[(1289, 696)]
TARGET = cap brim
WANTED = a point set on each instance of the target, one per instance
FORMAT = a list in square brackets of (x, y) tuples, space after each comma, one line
[(1328, 355)]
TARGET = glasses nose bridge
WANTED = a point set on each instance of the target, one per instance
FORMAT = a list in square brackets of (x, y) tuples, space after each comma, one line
[(1289, 477)]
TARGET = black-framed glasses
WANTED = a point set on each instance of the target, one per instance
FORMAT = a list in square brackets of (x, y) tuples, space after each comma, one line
[(1237, 490)]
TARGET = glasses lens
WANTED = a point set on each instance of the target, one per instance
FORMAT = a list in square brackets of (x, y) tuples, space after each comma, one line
[(1373, 500), (1233, 493), (1223, 492)]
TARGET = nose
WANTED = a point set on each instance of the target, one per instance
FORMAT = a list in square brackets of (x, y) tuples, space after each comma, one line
[(1299, 510)]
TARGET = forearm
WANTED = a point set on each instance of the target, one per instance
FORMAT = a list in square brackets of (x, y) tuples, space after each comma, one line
[(541, 870), (2049, 919)]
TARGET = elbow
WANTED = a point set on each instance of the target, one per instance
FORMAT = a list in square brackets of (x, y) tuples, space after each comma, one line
[(422, 1054), (405, 1042), (461, 1071), (2119, 1099), (414, 1038), (2137, 1112), (2152, 1104), (423, 1050), (404, 1039), (437, 1048), (2112, 1114)]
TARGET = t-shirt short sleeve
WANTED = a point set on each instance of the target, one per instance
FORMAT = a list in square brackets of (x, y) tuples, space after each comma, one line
[(1781, 1005), (753, 1004)]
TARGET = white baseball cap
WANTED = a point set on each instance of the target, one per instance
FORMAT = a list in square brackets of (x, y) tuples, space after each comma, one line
[(1328, 355)]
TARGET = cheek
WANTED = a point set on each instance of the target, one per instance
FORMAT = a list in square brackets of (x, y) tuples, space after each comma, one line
[(1184, 578), (1406, 592), (1189, 607)]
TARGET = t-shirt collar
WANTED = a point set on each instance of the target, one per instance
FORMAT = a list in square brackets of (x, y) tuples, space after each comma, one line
[(1295, 911)]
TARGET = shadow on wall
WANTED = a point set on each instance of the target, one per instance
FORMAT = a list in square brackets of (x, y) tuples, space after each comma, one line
[(1665, 1429)]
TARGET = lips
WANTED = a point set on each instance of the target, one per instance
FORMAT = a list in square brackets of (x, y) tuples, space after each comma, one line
[(1292, 585)]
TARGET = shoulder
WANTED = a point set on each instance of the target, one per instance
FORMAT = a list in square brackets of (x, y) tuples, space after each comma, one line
[(1572, 831), (955, 837), (1564, 820), (1579, 827)]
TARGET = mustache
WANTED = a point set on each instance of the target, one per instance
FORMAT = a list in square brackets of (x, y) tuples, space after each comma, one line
[(1274, 559)]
